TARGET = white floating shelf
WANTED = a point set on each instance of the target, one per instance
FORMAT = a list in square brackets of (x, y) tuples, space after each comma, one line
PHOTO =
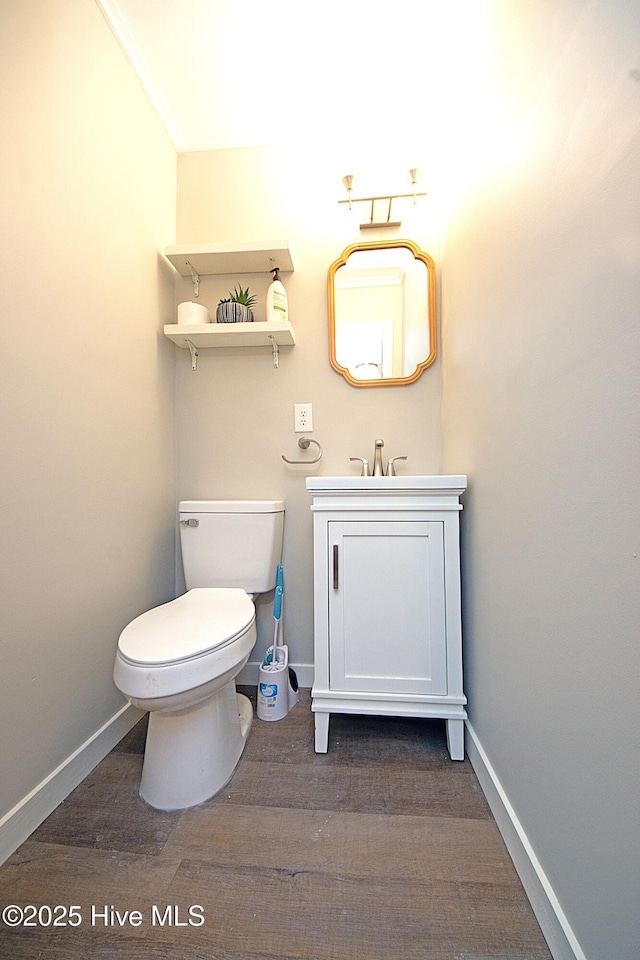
[(203, 335), (217, 258)]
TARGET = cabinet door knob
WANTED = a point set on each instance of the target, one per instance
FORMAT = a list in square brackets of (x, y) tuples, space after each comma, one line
[(335, 566)]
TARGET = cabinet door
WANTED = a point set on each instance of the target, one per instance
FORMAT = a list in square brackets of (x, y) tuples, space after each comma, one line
[(386, 607)]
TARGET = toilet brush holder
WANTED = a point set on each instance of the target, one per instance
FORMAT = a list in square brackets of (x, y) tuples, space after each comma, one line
[(276, 695)]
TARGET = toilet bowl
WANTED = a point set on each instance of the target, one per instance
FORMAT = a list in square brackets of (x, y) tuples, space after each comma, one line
[(179, 661)]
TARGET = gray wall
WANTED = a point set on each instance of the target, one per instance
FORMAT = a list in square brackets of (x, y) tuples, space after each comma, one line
[(537, 379), (235, 413), (541, 391), (86, 394)]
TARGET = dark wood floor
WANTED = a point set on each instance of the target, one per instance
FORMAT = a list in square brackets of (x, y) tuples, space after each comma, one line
[(382, 849)]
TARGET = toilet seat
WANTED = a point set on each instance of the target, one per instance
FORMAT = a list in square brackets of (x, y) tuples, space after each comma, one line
[(196, 624)]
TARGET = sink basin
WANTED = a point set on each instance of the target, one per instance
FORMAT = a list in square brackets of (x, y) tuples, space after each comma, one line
[(437, 484)]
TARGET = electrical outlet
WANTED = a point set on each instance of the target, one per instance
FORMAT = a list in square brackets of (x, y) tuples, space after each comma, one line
[(302, 418)]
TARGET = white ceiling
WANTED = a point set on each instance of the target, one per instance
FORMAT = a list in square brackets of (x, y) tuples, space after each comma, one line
[(227, 73)]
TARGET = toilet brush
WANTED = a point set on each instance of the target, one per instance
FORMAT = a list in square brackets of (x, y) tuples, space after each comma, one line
[(277, 611), (278, 634), (277, 618), (277, 689)]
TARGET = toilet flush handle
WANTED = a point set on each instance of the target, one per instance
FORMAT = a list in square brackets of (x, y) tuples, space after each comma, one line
[(191, 522)]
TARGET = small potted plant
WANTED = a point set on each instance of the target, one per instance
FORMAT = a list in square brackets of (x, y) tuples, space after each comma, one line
[(236, 308)]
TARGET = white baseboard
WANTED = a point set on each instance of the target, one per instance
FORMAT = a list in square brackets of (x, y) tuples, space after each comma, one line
[(249, 673), (557, 930), (20, 822)]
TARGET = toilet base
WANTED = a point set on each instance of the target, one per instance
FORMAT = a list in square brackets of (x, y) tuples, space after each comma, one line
[(191, 754)]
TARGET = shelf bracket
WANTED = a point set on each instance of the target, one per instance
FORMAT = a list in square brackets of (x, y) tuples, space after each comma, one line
[(195, 279), (276, 351), (193, 350)]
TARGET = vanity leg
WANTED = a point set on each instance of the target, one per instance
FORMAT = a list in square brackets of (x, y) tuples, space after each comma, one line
[(455, 739), (322, 732)]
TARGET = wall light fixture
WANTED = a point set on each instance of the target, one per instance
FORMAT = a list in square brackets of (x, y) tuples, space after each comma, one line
[(381, 205)]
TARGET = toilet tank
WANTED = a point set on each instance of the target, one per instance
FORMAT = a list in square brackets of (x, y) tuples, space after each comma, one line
[(231, 543)]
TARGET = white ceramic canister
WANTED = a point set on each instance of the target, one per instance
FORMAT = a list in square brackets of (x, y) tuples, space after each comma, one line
[(190, 312)]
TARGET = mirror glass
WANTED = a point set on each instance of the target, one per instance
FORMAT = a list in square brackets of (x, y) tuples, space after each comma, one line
[(382, 313)]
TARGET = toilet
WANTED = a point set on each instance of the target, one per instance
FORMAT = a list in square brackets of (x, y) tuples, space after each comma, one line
[(179, 661)]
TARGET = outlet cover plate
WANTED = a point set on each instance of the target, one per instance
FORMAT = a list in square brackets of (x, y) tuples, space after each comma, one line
[(302, 418)]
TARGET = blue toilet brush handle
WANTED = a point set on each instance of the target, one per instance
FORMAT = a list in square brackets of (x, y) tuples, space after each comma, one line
[(277, 604), (277, 613)]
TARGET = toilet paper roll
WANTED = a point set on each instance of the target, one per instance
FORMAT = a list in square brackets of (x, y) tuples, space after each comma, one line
[(190, 312)]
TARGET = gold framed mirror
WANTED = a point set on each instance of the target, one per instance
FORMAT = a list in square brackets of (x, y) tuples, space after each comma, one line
[(382, 313)]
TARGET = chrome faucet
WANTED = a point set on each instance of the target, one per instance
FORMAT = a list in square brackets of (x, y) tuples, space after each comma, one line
[(378, 468), (378, 465)]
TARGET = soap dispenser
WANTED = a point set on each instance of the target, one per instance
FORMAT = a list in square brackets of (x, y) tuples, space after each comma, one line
[(277, 305)]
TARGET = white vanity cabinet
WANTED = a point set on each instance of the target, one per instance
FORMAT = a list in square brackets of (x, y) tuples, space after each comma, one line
[(387, 627)]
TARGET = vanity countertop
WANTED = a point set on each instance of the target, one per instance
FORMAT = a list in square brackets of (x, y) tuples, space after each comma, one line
[(456, 483)]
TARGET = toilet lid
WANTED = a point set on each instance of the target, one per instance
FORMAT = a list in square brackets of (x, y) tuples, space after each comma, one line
[(194, 624)]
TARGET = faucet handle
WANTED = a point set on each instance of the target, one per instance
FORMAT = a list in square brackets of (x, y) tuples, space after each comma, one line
[(391, 470), (365, 465)]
